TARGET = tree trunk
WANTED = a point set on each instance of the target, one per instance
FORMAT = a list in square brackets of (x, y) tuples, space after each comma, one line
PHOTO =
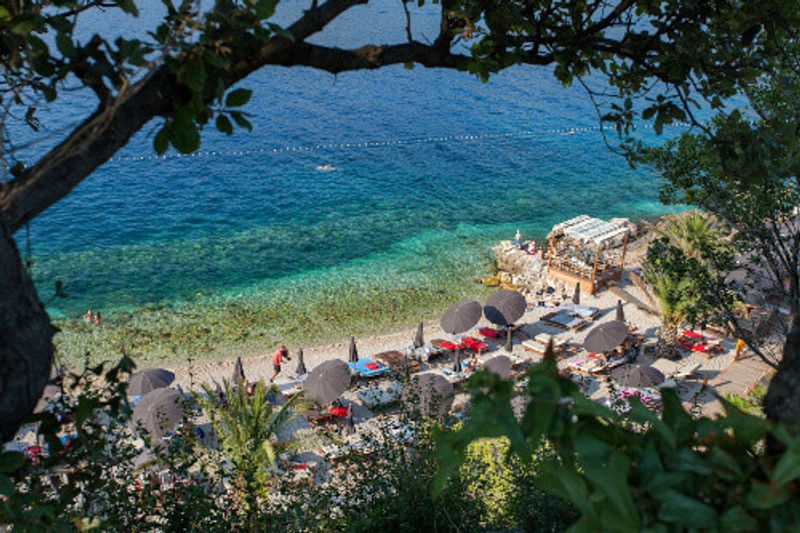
[(667, 342), (26, 340), (782, 402)]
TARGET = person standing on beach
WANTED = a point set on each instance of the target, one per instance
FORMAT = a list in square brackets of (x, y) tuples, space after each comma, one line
[(280, 354)]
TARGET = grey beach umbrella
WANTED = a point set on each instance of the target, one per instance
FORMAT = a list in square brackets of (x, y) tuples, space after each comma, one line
[(238, 371), (576, 296), (431, 394), (419, 340), (148, 380), (606, 337), (638, 376), (159, 412), (353, 352), (327, 381), (620, 312), (301, 365), (504, 307), (500, 365), (461, 316)]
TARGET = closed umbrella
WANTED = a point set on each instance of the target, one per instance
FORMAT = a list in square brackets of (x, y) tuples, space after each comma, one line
[(327, 381), (159, 412), (461, 316), (353, 353), (301, 365), (238, 372), (503, 308), (576, 296), (148, 380), (419, 341), (620, 312), (637, 376), (606, 337), (500, 365), (430, 394)]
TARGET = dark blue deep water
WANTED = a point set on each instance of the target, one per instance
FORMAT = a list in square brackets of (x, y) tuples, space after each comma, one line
[(430, 168)]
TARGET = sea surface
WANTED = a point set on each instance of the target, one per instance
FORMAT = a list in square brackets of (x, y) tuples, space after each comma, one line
[(358, 201)]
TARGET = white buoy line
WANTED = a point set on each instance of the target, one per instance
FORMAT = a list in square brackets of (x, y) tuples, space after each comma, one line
[(377, 144)]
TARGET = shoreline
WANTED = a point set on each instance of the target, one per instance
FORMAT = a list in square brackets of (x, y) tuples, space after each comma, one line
[(176, 334)]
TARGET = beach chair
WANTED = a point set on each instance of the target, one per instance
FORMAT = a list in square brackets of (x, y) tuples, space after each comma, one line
[(397, 361), (489, 333), (474, 344), (367, 368), (564, 320)]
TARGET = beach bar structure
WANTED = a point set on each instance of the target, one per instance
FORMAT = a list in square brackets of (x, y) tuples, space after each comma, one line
[(588, 251)]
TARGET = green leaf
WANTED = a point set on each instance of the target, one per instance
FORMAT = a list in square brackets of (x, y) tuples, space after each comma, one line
[(65, 45), (22, 27), (224, 124), (185, 138), (788, 468), (161, 142), (736, 519), (680, 509), (10, 462), (194, 75), (238, 98), (241, 121), (767, 496)]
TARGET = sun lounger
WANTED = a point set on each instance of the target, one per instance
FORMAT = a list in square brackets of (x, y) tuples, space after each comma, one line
[(397, 361), (474, 344), (489, 333), (446, 345), (564, 320), (584, 365), (367, 368), (583, 311)]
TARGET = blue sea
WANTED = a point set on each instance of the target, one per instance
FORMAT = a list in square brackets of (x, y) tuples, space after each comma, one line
[(361, 183)]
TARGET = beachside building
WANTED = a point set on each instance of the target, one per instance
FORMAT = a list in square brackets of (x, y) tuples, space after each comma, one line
[(588, 251)]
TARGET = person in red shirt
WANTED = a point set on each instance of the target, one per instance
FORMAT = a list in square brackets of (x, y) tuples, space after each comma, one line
[(280, 354)]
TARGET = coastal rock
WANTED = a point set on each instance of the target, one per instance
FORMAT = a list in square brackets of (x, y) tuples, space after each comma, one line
[(517, 269)]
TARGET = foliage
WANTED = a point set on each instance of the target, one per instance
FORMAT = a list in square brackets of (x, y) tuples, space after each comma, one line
[(100, 481), (751, 402), (746, 173), (245, 426), (642, 470), (693, 233), (96, 481)]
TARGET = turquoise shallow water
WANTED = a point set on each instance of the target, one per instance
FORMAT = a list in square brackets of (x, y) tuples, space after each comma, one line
[(431, 167)]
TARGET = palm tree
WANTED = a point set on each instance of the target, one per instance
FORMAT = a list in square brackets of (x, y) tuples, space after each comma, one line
[(245, 426), (674, 298), (693, 232)]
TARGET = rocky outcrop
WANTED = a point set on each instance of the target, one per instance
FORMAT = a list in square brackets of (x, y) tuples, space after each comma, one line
[(518, 268)]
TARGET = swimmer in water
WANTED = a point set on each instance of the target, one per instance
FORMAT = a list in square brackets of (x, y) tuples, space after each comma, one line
[(326, 168)]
